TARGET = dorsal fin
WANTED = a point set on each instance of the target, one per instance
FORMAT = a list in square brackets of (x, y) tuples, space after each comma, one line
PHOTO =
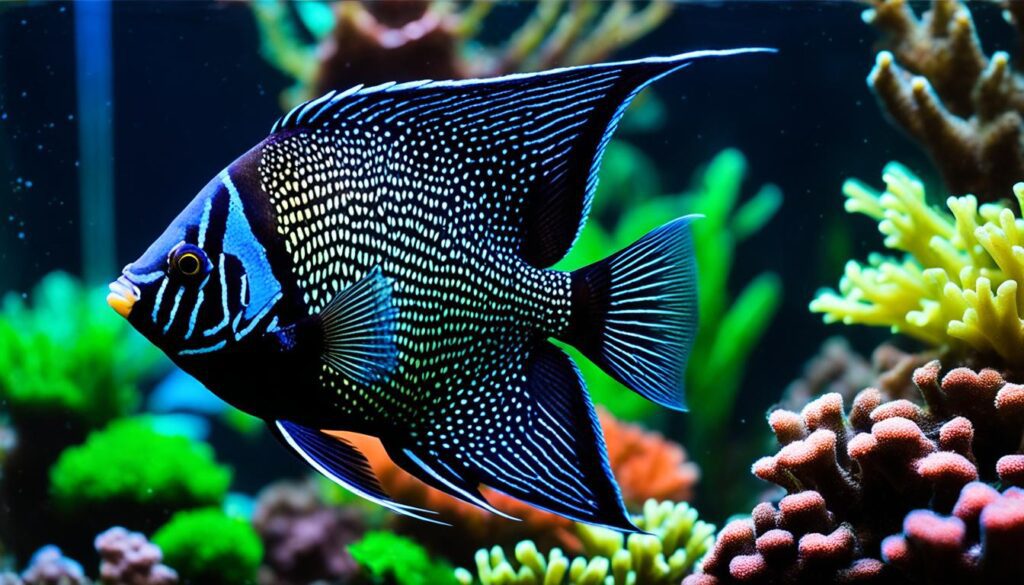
[(532, 141)]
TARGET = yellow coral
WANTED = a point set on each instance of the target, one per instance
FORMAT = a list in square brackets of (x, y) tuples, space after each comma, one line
[(957, 285), (674, 541)]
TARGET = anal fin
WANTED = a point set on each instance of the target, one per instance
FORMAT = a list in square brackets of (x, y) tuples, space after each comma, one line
[(358, 330), (338, 460)]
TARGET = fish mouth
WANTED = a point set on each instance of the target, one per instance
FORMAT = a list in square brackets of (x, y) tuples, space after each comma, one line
[(123, 296)]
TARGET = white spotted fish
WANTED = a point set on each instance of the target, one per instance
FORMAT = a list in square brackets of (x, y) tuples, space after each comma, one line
[(380, 264)]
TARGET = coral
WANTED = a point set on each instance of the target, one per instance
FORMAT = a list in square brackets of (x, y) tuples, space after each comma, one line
[(674, 541), (356, 42), (209, 547), (963, 107), (50, 567), (837, 368), (853, 476), (388, 558), (127, 558), (645, 464), (61, 354), (959, 284), (980, 542), (131, 474), (304, 539)]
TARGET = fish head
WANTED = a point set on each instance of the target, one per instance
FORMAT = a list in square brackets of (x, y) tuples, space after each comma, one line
[(205, 283)]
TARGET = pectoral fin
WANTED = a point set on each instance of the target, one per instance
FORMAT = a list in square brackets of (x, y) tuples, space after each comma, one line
[(358, 330), (342, 463)]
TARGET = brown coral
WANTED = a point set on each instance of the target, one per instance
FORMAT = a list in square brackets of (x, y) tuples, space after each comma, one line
[(962, 106), (838, 368), (402, 40), (854, 476)]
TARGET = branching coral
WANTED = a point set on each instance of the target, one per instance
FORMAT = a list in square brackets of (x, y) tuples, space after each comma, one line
[(852, 477), (980, 542), (937, 84), (374, 42), (127, 558), (304, 539), (208, 547), (674, 541), (131, 474), (960, 283), (387, 558), (646, 465)]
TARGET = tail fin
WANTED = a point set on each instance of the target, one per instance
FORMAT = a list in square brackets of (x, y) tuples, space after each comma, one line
[(635, 313)]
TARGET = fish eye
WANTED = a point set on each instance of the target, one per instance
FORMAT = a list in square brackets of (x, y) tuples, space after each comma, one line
[(189, 261)]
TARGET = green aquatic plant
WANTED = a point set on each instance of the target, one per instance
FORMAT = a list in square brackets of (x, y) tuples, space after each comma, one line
[(674, 542), (66, 353), (730, 326), (958, 284), (387, 558), (130, 470), (210, 547)]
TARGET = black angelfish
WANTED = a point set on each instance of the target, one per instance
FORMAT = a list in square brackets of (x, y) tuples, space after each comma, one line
[(378, 264)]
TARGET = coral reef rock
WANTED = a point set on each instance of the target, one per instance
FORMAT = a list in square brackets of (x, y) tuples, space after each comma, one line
[(304, 539), (128, 558), (962, 106), (854, 477)]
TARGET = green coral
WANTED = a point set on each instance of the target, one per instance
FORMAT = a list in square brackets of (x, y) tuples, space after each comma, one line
[(129, 465), (209, 547), (675, 542), (67, 352), (958, 283), (388, 558), (730, 326)]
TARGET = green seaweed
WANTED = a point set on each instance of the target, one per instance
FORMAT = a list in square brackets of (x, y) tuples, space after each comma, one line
[(730, 326), (208, 546), (128, 467), (66, 353), (387, 558), (673, 541)]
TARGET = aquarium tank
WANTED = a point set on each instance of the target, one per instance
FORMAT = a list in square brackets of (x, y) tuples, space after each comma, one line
[(474, 292)]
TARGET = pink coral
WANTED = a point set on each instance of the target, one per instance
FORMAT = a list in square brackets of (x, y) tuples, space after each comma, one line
[(981, 542), (128, 558), (884, 467)]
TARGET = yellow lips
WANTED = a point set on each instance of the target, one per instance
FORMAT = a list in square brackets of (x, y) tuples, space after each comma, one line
[(123, 296)]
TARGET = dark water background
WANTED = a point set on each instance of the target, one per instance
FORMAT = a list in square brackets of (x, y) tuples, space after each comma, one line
[(192, 92)]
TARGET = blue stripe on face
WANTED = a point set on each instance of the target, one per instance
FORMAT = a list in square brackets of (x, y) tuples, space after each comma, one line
[(174, 308), (159, 299), (240, 242)]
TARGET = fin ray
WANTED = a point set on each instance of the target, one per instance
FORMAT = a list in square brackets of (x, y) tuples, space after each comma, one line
[(338, 460), (358, 328)]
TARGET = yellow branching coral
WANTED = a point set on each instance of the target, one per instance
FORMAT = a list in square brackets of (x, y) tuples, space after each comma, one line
[(676, 540), (959, 282)]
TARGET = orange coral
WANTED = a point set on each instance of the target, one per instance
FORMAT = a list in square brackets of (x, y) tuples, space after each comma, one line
[(646, 465)]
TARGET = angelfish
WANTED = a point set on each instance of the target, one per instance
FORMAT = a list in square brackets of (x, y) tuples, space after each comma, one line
[(380, 264)]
